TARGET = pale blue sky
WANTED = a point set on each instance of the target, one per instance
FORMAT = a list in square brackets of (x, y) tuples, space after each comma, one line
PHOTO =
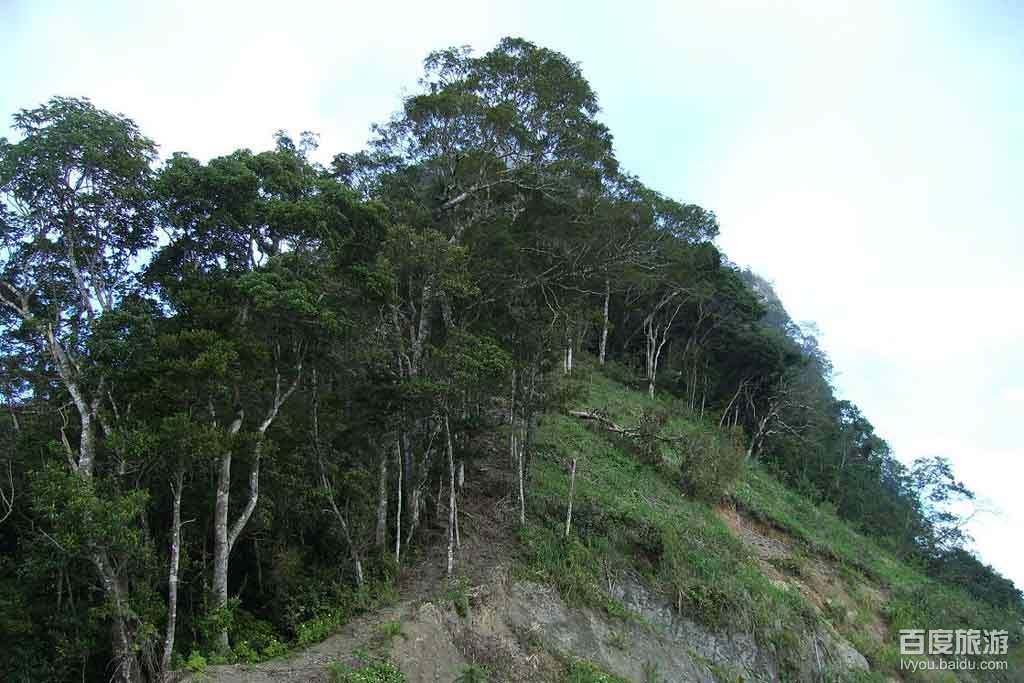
[(866, 157)]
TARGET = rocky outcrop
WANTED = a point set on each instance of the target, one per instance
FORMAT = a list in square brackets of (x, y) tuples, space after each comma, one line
[(659, 641), (524, 631)]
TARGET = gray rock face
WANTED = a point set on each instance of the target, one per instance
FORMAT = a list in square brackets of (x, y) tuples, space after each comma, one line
[(675, 648), (733, 652), (514, 627), (624, 648)]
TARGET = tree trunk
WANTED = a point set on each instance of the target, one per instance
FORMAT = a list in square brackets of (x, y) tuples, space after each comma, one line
[(512, 423), (357, 563), (221, 549), (398, 506), (451, 498), (458, 541), (522, 487), (440, 492), (382, 503), (224, 539), (172, 577), (604, 325), (408, 471), (128, 669), (572, 490)]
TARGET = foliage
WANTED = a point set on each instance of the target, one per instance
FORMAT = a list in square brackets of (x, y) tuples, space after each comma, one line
[(196, 663), (228, 409), (582, 671), (915, 599), (472, 674), (381, 672), (629, 515), (710, 461)]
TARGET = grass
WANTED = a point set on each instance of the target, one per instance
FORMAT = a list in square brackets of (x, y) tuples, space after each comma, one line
[(380, 672), (389, 630), (581, 671), (912, 599), (630, 515)]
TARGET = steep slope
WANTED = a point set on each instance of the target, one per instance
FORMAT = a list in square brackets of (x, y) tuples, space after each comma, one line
[(649, 585)]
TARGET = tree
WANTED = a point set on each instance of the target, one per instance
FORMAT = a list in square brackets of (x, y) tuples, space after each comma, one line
[(243, 264), (934, 484), (76, 213)]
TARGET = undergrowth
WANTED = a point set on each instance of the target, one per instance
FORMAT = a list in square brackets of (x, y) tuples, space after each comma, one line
[(381, 672), (634, 515), (912, 600)]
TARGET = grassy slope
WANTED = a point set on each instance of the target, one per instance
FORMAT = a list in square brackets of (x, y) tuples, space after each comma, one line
[(631, 516)]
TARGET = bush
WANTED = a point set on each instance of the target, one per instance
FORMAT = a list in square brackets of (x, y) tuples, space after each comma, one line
[(472, 674), (581, 671), (250, 636), (382, 672), (710, 461), (196, 663)]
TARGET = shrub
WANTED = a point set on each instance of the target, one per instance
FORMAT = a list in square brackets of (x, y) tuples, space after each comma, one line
[(196, 663), (581, 671), (317, 628), (390, 629), (710, 461), (458, 594), (472, 674), (381, 672)]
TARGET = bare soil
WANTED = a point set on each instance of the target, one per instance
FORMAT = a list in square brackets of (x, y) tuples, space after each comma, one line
[(430, 646)]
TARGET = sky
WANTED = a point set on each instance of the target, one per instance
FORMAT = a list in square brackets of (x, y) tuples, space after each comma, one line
[(867, 158)]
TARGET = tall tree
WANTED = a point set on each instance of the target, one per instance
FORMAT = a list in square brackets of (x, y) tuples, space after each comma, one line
[(76, 213)]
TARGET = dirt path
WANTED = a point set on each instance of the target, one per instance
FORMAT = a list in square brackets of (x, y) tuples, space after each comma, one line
[(413, 632)]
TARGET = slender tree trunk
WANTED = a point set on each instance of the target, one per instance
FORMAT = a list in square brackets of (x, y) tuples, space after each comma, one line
[(408, 477), (221, 549), (513, 461), (649, 352), (451, 498), (128, 668), (398, 506), (357, 563), (572, 490), (521, 466), (382, 503), (604, 324), (512, 397), (224, 538), (172, 577), (458, 541), (755, 441), (512, 422), (415, 497), (440, 492)]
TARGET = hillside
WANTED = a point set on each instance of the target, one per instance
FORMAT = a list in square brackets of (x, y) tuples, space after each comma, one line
[(253, 398), (650, 584)]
